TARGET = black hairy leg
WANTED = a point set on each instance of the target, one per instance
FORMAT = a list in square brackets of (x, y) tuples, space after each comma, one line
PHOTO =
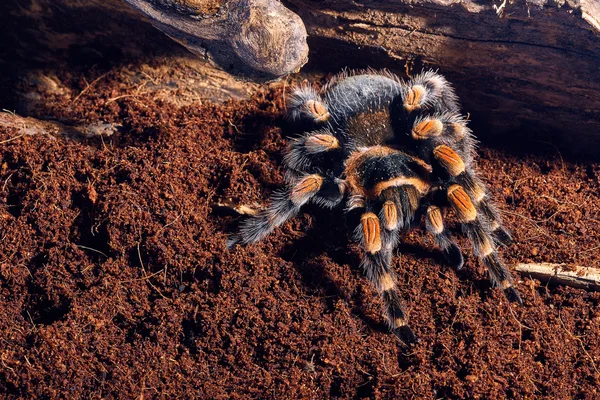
[(378, 246), (285, 205)]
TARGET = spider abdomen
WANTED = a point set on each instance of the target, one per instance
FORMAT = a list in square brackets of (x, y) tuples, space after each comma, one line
[(371, 171)]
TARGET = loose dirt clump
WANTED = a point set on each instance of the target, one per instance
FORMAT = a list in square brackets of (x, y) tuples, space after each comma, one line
[(115, 282)]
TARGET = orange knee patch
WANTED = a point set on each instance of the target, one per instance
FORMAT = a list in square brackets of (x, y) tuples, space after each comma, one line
[(434, 216), (390, 214), (485, 247), (371, 232), (305, 189), (427, 128), (321, 142), (414, 196), (317, 110), (449, 159), (386, 282), (461, 203), (414, 97)]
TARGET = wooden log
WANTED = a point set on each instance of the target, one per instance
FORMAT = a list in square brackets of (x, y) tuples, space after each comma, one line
[(579, 277), (44, 37), (524, 70), (254, 39), (527, 71)]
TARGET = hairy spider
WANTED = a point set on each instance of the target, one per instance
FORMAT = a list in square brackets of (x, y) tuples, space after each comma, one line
[(398, 153)]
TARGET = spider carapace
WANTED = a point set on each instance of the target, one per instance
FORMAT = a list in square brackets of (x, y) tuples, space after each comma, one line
[(398, 154)]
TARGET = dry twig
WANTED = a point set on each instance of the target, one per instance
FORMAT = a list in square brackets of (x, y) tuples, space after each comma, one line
[(240, 209), (575, 276)]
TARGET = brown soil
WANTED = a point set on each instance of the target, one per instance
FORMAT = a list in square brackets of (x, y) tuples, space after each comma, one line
[(115, 282)]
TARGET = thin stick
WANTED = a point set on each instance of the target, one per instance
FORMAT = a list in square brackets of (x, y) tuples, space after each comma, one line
[(575, 276), (89, 248), (146, 276), (12, 138), (89, 85), (579, 340)]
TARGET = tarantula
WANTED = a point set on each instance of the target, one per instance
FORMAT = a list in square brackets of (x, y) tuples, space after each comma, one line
[(398, 153)]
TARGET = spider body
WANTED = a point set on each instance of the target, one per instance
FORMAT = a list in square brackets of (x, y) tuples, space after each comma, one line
[(396, 153)]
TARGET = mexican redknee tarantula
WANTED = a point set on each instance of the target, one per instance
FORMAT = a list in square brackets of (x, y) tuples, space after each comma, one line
[(397, 153)]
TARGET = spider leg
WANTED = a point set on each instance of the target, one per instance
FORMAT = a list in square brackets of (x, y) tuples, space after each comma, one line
[(430, 90), (434, 223), (305, 103), (480, 234), (312, 150), (304, 156), (476, 189), (325, 191), (378, 234), (376, 262), (489, 211)]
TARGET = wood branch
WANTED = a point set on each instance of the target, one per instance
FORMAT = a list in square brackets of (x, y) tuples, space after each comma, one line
[(237, 209), (259, 40), (579, 277)]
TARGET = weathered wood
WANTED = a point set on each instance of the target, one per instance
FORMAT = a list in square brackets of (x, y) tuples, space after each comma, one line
[(42, 37), (526, 71), (27, 126), (255, 39), (579, 277)]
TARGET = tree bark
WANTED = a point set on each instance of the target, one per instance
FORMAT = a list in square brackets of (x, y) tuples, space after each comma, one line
[(524, 70), (527, 72)]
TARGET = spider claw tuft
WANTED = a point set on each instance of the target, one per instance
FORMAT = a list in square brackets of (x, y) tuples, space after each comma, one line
[(513, 295), (503, 237), (405, 335), (454, 257), (232, 241)]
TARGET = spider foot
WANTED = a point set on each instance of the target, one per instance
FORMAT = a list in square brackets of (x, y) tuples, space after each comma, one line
[(405, 335), (232, 241), (454, 257), (513, 295), (503, 237)]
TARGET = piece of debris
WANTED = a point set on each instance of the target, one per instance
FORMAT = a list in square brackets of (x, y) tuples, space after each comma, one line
[(99, 129), (241, 209), (32, 126), (92, 194), (575, 276), (309, 366)]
